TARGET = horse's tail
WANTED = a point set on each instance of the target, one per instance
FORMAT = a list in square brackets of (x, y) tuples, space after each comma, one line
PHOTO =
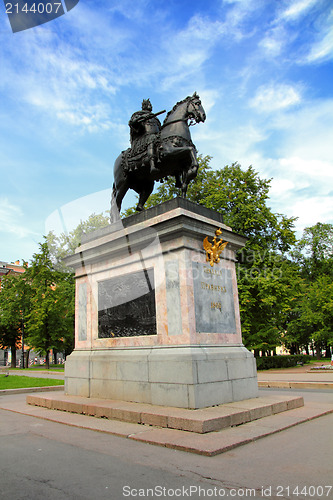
[(114, 212), (119, 188)]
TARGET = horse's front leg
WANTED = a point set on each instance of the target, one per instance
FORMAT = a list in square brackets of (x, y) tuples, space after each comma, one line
[(184, 184), (144, 193), (193, 170), (189, 174)]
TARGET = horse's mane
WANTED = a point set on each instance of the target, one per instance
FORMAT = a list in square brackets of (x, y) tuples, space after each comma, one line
[(176, 106)]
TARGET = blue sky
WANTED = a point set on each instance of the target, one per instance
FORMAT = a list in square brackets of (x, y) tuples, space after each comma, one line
[(263, 69)]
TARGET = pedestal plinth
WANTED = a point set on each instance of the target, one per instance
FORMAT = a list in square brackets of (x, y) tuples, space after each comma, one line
[(155, 322)]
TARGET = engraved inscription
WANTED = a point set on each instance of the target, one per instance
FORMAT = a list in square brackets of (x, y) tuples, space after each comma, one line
[(214, 299), (216, 305), (126, 305), (213, 288)]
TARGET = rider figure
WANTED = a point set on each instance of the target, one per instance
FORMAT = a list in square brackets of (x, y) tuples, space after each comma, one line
[(145, 127)]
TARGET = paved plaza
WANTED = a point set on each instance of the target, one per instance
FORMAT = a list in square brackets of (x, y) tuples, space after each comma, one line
[(41, 458)]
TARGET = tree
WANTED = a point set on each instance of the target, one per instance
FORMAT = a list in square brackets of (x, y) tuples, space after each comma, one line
[(313, 315), (266, 296), (314, 251), (264, 274), (312, 319), (14, 307), (65, 244), (50, 323)]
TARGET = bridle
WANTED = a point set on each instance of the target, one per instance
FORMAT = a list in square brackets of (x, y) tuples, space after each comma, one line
[(192, 122)]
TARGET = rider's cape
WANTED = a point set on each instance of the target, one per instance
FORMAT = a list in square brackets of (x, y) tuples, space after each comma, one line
[(134, 158)]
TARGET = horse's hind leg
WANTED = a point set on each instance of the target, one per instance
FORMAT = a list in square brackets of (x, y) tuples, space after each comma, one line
[(116, 200)]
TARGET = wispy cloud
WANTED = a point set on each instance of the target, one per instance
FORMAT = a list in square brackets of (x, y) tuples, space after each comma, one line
[(275, 96), (323, 49), (297, 8), (11, 219)]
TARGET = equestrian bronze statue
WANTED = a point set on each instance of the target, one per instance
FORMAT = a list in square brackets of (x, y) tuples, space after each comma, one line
[(157, 151)]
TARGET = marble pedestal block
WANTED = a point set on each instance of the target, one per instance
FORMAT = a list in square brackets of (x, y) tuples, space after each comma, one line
[(155, 322)]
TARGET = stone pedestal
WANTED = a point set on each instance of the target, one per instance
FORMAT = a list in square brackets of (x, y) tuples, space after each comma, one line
[(155, 322)]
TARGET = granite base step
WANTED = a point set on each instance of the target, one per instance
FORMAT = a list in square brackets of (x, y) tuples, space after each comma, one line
[(199, 421), (207, 444)]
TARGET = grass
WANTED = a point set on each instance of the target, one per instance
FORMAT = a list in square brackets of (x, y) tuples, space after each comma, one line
[(20, 382), (58, 368)]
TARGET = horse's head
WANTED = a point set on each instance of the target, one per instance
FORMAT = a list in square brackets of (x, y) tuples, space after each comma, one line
[(195, 109)]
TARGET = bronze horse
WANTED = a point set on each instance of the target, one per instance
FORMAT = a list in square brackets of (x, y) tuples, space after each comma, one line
[(176, 156)]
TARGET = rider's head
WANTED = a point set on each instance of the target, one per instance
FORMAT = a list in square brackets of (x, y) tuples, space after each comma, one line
[(146, 105)]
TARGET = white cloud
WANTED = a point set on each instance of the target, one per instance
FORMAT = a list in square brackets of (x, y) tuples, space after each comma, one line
[(293, 147), (274, 97), (279, 187), (297, 8), (297, 191), (187, 50), (64, 80), (274, 41), (300, 188), (311, 210), (322, 49), (67, 217), (308, 167), (271, 46), (11, 217)]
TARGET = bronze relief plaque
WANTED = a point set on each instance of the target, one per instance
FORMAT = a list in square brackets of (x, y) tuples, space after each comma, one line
[(126, 305)]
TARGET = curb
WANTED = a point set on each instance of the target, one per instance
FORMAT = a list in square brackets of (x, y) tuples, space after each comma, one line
[(295, 385), (4, 392)]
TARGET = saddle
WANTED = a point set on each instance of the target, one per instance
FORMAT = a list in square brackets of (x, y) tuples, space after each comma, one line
[(134, 158)]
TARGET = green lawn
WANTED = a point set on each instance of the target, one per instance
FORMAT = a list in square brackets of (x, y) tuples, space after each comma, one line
[(58, 368), (20, 382)]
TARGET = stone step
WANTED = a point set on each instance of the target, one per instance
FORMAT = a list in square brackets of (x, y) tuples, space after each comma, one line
[(199, 421)]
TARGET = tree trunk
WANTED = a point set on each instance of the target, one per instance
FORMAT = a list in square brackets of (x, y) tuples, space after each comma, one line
[(47, 358), (27, 352), (13, 351), (327, 351)]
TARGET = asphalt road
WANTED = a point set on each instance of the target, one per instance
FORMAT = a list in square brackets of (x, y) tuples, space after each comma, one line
[(45, 460)]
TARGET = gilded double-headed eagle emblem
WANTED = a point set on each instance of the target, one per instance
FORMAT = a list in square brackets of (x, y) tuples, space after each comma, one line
[(213, 250)]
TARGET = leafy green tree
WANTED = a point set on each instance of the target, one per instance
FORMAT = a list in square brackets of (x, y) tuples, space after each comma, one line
[(313, 315), (311, 322), (50, 323), (266, 296), (14, 307), (314, 251), (65, 244)]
